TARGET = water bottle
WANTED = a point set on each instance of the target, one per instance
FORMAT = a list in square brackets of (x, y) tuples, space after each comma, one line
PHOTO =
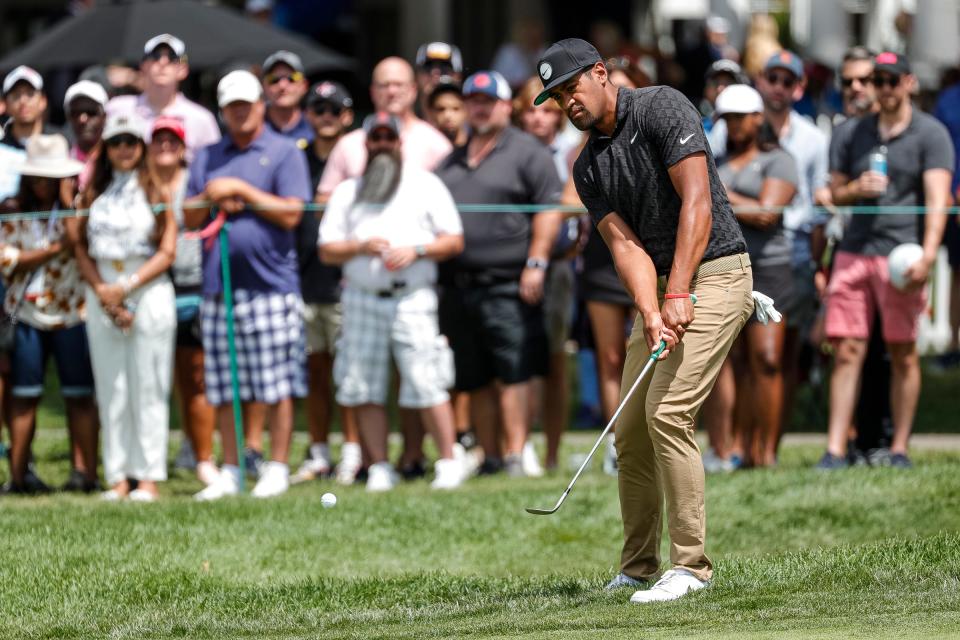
[(878, 161)]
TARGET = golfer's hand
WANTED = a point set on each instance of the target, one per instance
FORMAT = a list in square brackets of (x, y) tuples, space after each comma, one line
[(374, 247), (677, 314), (654, 331), (399, 258), (916, 274), (531, 285)]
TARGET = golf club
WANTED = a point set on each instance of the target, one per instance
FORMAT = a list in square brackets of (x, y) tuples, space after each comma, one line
[(653, 358)]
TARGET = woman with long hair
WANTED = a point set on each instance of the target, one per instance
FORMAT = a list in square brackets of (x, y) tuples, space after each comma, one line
[(45, 299), (760, 178), (166, 161), (124, 249)]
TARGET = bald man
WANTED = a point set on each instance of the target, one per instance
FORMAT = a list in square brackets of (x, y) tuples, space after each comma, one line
[(394, 90)]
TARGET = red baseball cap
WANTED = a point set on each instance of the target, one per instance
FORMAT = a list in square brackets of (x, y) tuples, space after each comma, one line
[(168, 123)]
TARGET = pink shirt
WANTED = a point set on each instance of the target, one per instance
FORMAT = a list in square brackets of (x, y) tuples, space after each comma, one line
[(198, 123), (421, 145)]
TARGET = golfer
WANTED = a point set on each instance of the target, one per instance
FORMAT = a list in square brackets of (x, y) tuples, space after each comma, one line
[(648, 179)]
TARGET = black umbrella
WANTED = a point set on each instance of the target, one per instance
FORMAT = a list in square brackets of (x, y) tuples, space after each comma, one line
[(214, 36)]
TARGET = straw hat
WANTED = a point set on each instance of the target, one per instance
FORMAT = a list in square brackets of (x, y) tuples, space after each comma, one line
[(48, 156)]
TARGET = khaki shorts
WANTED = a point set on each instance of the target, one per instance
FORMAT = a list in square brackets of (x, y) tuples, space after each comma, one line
[(322, 327)]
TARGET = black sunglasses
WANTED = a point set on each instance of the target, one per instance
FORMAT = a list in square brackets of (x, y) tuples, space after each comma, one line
[(846, 83), (385, 136), (325, 108), (159, 54), (886, 81), (787, 81), (123, 139)]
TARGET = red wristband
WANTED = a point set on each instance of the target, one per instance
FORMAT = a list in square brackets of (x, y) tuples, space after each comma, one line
[(676, 296)]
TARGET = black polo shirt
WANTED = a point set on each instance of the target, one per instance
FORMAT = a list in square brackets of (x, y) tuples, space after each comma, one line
[(519, 170), (319, 283), (626, 173), (924, 144)]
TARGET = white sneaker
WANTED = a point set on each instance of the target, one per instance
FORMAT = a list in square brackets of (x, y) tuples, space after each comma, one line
[(448, 474), (207, 472), (470, 460), (139, 495), (351, 459), (673, 584), (531, 466), (274, 480), (316, 465), (610, 456), (381, 477), (227, 484), (112, 495), (712, 463)]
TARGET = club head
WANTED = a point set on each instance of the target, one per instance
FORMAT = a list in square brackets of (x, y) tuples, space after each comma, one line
[(541, 512)]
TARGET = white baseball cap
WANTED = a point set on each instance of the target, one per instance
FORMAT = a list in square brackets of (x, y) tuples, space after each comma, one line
[(739, 98), (120, 123), (24, 73), (238, 86), (173, 42), (86, 89)]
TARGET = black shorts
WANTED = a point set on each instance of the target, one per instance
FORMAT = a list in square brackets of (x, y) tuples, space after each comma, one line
[(494, 335), (951, 239), (777, 281)]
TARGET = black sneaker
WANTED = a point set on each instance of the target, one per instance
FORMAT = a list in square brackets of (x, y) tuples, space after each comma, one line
[(490, 466), (80, 484), (900, 461), (413, 471), (830, 462), (253, 459)]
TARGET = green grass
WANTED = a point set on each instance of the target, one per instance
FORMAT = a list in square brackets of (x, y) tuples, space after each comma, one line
[(860, 553)]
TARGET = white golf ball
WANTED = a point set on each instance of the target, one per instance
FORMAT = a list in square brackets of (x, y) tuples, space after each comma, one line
[(328, 500)]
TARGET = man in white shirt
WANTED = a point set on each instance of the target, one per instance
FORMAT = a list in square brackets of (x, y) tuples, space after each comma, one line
[(164, 67), (389, 228)]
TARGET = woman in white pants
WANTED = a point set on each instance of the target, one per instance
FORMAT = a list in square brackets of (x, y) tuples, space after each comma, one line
[(124, 250)]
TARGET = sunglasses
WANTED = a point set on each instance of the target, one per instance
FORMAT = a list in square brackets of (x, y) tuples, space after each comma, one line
[(846, 83), (160, 54), (784, 80), (90, 113), (886, 81), (325, 108), (274, 78), (385, 136), (124, 139)]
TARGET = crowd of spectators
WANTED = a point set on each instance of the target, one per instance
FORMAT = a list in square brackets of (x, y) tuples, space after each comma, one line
[(385, 289)]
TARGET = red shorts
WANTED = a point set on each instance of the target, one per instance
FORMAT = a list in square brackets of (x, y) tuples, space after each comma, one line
[(859, 286)]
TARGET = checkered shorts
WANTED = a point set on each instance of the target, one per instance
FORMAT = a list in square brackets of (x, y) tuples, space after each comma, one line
[(406, 327), (270, 347)]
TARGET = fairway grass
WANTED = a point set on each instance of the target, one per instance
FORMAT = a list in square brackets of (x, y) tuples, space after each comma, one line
[(861, 553)]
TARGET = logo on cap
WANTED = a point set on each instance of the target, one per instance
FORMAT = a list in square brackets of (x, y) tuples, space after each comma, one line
[(482, 80), (887, 58), (546, 70), (326, 89)]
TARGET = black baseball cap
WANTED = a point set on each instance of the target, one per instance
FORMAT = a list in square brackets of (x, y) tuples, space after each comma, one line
[(562, 61), (329, 91), (892, 63)]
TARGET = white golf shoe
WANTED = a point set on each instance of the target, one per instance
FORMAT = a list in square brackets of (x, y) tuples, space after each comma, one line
[(712, 463), (207, 472), (531, 466), (673, 584), (622, 580), (381, 477), (274, 480), (448, 474), (226, 484), (351, 459)]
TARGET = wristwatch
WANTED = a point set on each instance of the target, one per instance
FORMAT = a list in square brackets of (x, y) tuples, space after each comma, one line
[(537, 263), (421, 250)]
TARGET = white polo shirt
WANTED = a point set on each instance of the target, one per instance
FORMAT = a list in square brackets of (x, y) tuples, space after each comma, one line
[(421, 210)]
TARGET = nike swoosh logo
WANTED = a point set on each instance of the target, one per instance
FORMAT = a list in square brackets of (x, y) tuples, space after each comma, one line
[(634, 136), (684, 140)]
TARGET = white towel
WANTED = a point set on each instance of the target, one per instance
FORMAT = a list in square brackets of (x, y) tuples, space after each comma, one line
[(763, 306)]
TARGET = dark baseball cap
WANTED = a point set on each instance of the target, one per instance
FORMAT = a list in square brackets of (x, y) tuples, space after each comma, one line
[(563, 60), (288, 58), (329, 91), (891, 63), (381, 120), (785, 60)]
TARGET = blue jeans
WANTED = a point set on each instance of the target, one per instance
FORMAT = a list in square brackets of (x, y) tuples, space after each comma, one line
[(32, 349)]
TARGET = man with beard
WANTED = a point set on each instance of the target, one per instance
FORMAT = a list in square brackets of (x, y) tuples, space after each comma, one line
[(388, 229), (492, 307), (648, 179), (920, 160), (85, 103)]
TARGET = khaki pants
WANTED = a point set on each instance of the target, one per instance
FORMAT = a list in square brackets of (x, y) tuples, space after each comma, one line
[(656, 451)]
